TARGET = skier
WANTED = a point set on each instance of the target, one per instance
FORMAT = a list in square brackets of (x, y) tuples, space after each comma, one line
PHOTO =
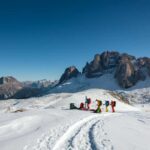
[(99, 104), (113, 105), (107, 104)]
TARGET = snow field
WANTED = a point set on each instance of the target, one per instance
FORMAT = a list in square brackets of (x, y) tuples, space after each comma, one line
[(48, 124)]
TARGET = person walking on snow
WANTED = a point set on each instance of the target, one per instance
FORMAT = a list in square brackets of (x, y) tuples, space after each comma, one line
[(113, 105), (107, 104), (99, 104), (88, 102)]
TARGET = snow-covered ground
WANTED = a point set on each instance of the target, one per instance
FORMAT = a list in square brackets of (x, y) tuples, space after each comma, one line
[(106, 81), (47, 123)]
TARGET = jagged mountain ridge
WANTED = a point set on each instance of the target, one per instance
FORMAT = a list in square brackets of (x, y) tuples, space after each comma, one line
[(128, 70)]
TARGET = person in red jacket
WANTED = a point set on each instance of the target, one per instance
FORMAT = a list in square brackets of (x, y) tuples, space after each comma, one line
[(81, 106), (113, 105)]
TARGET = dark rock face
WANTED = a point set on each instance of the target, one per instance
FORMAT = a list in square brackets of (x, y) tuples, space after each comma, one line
[(128, 70), (109, 59), (148, 68), (69, 73), (140, 75), (125, 73), (8, 87), (144, 63), (101, 62), (11, 88), (8, 80), (95, 66)]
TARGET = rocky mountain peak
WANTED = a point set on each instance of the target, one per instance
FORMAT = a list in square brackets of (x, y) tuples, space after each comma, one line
[(8, 80), (69, 73), (127, 69), (100, 63)]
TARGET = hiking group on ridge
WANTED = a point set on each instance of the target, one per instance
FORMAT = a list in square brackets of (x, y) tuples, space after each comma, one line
[(86, 105)]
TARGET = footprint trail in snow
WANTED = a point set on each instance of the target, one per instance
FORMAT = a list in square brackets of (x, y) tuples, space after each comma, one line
[(87, 134)]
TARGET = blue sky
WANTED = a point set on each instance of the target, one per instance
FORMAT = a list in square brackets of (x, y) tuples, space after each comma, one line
[(40, 38)]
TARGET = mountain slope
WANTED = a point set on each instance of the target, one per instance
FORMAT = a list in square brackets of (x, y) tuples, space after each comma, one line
[(46, 123), (12, 88), (105, 81), (9, 86)]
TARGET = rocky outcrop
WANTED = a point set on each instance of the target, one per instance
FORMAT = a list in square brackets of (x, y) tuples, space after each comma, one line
[(12, 88), (144, 64), (125, 72), (148, 68), (128, 70), (95, 66), (109, 59), (9, 86), (100, 63), (69, 73), (8, 80)]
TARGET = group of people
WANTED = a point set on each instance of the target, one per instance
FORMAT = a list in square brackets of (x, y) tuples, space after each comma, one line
[(107, 104), (86, 105)]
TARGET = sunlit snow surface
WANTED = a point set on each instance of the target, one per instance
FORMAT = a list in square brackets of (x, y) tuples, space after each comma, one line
[(47, 123)]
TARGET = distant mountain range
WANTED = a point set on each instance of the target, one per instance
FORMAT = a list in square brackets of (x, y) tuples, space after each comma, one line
[(125, 70), (12, 88)]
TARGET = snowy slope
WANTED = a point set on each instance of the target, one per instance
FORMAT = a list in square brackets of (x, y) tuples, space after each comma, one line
[(46, 123), (106, 81), (138, 94), (81, 83)]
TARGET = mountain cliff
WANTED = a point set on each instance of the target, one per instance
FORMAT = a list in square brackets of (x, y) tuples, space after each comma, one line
[(126, 69)]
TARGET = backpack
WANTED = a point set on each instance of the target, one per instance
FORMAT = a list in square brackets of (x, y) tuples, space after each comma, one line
[(113, 103), (72, 106), (89, 101), (107, 103)]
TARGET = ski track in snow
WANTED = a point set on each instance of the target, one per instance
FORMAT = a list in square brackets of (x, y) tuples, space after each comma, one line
[(81, 136), (47, 140), (86, 134)]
